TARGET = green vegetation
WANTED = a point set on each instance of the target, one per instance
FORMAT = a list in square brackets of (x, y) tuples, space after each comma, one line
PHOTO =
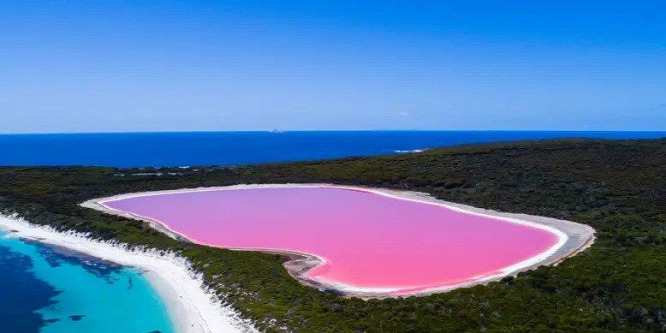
[(618, 187)]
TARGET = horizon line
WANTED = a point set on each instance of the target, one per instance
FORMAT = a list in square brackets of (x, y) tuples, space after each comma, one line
[(329, 130)]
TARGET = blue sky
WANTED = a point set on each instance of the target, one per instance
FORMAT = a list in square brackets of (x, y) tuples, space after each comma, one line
[(97, 66)]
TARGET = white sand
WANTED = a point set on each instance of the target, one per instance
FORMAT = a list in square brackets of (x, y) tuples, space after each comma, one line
[(572, 237), (191, 306)]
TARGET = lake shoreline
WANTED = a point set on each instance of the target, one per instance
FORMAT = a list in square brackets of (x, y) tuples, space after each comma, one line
[(573, 238)]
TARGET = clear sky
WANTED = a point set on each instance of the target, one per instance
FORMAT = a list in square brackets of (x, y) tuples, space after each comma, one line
[(97, 66)]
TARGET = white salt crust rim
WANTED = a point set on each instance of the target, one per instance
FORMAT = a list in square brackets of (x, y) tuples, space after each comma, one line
[(532, 262)]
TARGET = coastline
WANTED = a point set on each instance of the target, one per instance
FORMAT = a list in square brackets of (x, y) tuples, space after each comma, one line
[(189, 304), (573, 238)]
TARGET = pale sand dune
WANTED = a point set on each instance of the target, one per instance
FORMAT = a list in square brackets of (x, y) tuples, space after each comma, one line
[(192, 308)]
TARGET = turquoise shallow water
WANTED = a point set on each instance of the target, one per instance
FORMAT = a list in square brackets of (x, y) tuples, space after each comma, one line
[(49, 290)]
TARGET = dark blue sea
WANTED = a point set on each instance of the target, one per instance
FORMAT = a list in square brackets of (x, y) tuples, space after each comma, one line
[(234, 148)]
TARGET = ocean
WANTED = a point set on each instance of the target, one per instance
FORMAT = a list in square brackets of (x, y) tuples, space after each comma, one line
[(234, 148)]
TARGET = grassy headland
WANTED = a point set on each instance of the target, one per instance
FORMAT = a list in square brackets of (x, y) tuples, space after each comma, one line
[(617, 187)]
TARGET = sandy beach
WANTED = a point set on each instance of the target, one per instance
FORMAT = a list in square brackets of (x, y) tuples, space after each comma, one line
[(572, 237), (192, 308)]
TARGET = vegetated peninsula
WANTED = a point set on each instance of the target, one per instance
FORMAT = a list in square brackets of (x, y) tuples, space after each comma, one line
[(616, 187)]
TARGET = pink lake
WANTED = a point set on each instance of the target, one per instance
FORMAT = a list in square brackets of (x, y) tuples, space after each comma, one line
[(369, 242)]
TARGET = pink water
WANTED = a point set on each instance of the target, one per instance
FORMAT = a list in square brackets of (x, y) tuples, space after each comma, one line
[(367, 240)]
